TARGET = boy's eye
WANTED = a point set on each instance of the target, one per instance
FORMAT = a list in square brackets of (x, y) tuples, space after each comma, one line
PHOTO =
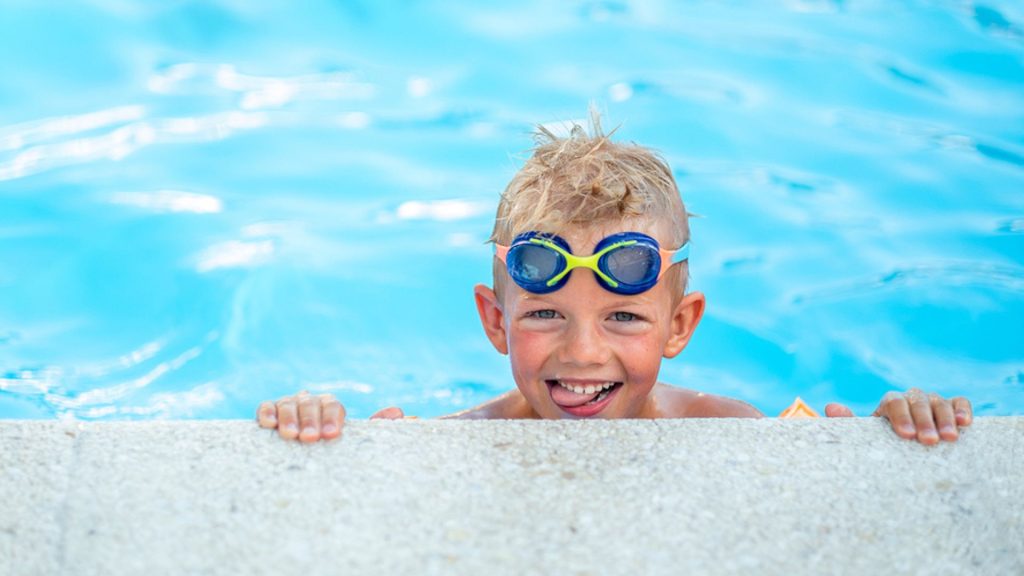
[(543, 314), (624, 317)]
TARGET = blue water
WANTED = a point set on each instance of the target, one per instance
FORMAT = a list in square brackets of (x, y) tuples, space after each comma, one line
[(208, 204)]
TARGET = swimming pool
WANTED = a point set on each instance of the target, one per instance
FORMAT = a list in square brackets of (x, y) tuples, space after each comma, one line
[(205, 205)]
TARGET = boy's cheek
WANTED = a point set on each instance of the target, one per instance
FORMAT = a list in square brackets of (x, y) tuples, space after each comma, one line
[(644, 361), (525, 346), (524, 357)]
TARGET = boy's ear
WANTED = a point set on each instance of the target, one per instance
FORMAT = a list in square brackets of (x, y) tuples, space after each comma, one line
[(685, 317), (492, 317)]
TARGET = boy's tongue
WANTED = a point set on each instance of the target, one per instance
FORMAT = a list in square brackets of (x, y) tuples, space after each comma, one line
[(565, 397)]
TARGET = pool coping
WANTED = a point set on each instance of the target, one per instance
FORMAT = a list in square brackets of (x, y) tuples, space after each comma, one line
[(841, 496)]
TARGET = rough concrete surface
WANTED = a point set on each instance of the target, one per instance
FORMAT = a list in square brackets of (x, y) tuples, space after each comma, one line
[(726, 496)]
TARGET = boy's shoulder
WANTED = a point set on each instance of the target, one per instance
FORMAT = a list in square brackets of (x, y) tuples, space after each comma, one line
[(508, 406), (675, 402)]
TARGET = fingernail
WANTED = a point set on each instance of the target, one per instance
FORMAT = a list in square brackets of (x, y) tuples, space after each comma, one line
[(961, 414), (329, 428), (291, 427), (309, 431), (948, 429), (907, 428)]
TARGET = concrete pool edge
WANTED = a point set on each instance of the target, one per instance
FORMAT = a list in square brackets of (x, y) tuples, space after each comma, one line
[(705, 496)]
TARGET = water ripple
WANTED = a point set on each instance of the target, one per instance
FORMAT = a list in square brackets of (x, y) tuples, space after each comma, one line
[(995, 21), (235, 254), (31, 381), (258, 92), (442, 210), (1013, 226), (1009, 279), (111, 394), (135, 357), (908, 78), (21, 135), (52, 386), (1015, 379), (931, 134), (169, 201), (1000, 154), (41, 145), (164, 404), (125, 140)]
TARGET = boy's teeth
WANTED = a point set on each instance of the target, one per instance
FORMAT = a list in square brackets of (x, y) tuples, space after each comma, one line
[(588, 389)]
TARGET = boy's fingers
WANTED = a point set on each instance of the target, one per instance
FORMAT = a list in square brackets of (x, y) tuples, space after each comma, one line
[(895, 407), (836, 410), (304, 416), (309, 418), (921, 410), (942, 411), (287, 418), (266, 415), (390, 413), (962, 409), (332, 417)]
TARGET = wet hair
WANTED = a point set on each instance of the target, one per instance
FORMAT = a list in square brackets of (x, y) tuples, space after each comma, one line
[(586, 179)]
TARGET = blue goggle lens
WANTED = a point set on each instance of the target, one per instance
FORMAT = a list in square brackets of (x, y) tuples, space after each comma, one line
[(531, 263), (634, 265)]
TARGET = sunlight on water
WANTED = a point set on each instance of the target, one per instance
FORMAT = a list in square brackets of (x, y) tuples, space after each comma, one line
[(205, 205)]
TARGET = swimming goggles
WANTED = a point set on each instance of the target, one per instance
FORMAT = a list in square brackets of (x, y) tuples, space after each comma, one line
[(623, 263)]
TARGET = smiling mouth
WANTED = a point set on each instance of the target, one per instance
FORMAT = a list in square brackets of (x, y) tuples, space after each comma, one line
[(582, 399)]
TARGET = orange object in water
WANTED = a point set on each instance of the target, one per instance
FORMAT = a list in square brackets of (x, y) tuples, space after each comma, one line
[(799, 409)]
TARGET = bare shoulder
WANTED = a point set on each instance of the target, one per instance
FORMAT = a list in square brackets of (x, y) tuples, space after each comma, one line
[(509, 406), (678, 402)]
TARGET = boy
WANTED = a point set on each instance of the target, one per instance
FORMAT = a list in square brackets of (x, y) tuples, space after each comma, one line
[(590, 271)]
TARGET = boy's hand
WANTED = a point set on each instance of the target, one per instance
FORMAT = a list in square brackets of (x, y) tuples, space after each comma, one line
[(915, 414), (310, 418)]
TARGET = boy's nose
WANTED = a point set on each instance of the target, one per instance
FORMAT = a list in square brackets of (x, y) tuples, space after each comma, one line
[(583, 346)]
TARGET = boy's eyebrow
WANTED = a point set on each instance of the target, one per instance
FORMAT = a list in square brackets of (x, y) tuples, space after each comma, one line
[(538, 298), (619, 304)]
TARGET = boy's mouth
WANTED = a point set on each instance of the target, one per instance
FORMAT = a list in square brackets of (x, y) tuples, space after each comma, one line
[(582, 399)]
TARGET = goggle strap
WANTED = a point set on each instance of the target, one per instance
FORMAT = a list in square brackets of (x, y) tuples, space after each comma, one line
[(670, 257), (502, 253), (681, 254)]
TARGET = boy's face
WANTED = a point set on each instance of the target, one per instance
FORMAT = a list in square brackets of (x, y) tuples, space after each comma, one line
[(568, 345)]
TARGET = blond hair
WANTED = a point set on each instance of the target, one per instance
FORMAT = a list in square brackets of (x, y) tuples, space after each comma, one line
[(586, 179)]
